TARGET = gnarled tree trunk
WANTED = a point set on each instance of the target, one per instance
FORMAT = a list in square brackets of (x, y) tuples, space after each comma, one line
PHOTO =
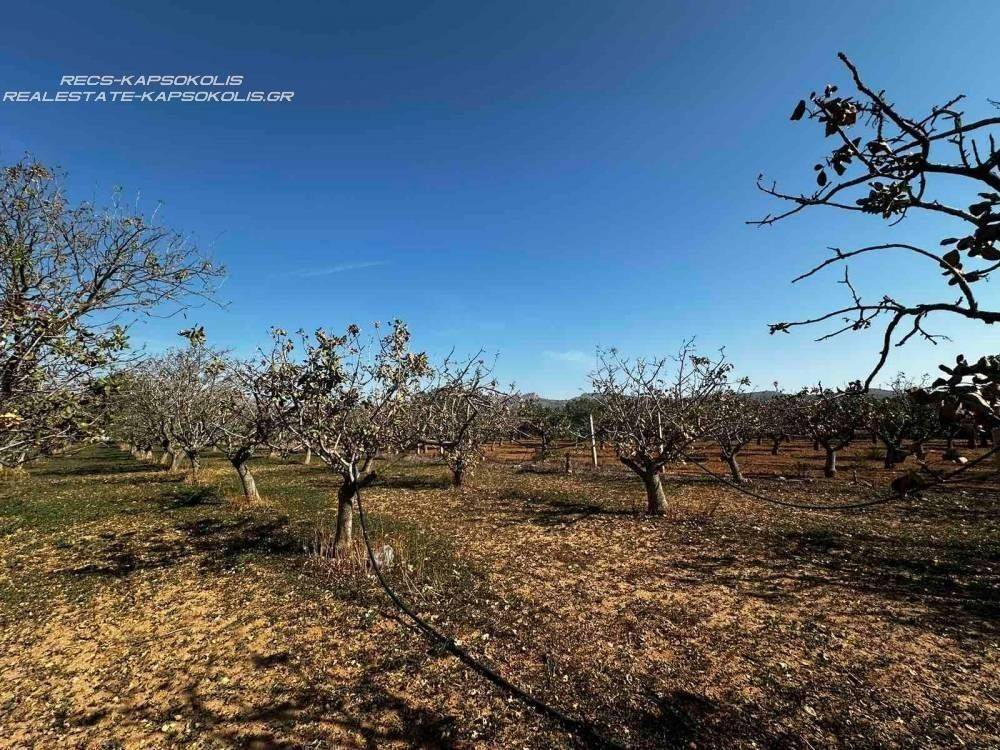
[(458, 464), (345, 518), (195, 465), (830, 466), (734, 467), (656, 500), (247, 483)]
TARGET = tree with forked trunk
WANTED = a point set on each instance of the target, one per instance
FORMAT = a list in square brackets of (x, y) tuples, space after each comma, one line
[(737, 419), (349, 401), (902, 422), (246, 418), (779, 418), (833, 419), (653, 411), (462, 410), (537, 419)]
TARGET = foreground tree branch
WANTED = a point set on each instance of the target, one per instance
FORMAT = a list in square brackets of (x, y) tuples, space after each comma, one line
[(887, 164)]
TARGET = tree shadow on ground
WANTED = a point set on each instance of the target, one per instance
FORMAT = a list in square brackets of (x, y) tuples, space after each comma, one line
[(957, 583), (423, 481), (189, 496), (553, 508), (124, 555), (222, 539), (216, 541), (955, 586), (677, 719), (293, 715)]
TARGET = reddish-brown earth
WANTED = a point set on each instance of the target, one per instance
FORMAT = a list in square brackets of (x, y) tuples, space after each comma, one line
[(137, 612)]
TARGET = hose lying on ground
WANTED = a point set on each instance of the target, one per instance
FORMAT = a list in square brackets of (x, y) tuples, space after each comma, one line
[(581, 729), (578, 727)]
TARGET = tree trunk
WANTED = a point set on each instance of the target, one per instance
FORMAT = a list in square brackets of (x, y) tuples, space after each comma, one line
[(569, 464), (175, 461), (247, 483), (457, 476), (195, 465), (345, 519), (830, 467), (309, 456), (815, 445), (775, 444), (893, 455), (734, 468), (918, 450), (167, 458), (656, 500)]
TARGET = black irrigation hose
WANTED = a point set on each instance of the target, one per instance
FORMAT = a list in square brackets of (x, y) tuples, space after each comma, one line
[(580, 728), (576, 726), (938, 480)]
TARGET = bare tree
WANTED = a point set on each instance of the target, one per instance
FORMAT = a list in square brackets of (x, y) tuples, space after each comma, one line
[(461, 411), (246, 417), (72, 280), (192, 387), (833, 418), (778, 418), (536, 418), (347, 400), (137, 416), (736, 420), (888, 164), (903, 422), (653, 411)]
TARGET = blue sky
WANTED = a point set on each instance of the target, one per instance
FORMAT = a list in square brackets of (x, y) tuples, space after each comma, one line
[(537, 179)]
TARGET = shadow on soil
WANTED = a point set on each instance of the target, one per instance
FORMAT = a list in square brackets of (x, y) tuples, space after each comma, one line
[(551, 508), (955, 586), (218, 541), (362, 708)]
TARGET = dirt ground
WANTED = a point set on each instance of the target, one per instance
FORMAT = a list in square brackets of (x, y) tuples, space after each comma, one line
[(137, 611)]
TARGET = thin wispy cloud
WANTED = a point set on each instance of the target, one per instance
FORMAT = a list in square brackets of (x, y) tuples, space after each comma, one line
[(331, 270), (573, 356)]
